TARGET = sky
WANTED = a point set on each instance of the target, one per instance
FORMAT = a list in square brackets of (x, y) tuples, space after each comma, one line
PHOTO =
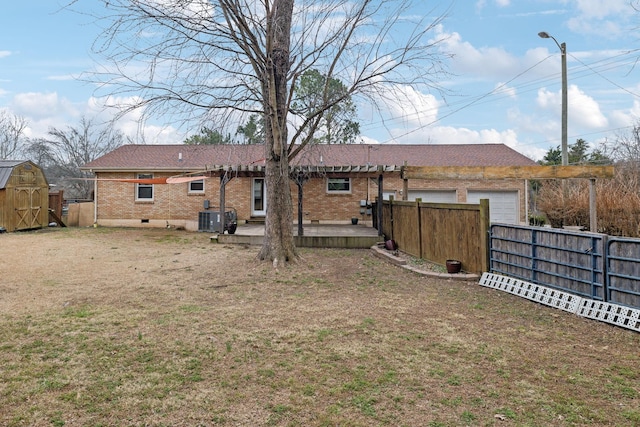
[(503, 83)]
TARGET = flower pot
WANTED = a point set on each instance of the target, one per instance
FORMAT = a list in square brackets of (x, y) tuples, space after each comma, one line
[(354, 221), (453, 266), (390, 245)]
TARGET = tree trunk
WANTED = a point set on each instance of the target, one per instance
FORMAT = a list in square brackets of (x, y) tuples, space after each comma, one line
[(278, 245)]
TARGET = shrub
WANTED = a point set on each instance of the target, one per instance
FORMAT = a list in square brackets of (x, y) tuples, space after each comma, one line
[(617, 202)]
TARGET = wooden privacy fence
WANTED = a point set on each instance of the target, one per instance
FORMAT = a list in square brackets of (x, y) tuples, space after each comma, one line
[(56, 200), (440, 231), (591, 265)]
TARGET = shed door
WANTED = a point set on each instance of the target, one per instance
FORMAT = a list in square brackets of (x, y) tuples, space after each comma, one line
[(503, 205), (28, 209)]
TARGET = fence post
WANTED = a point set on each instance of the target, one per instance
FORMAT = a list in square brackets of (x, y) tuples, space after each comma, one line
[(534, 256), (485, 225), (380, 199), (419, 220), (605, 265), (593, 213)]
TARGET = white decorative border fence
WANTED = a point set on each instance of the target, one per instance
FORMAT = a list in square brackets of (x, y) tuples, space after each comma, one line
[(615, 314)]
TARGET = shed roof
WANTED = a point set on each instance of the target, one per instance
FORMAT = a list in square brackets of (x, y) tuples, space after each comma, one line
[(6, 168), (198, 157)]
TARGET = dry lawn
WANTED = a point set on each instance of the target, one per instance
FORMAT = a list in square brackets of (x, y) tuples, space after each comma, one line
[(112, 327)]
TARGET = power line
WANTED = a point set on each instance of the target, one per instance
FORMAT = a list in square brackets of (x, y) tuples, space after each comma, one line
[(626, 58)]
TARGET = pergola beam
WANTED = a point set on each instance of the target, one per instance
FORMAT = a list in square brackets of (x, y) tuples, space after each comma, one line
[(507, 172)]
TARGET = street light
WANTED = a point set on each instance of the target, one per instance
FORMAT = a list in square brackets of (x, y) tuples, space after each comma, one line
[(563, 52)]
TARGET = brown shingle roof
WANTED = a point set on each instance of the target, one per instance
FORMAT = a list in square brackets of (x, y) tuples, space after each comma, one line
[(195, 157)]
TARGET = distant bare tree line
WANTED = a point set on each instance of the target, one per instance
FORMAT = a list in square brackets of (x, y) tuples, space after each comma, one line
[(62, 152)]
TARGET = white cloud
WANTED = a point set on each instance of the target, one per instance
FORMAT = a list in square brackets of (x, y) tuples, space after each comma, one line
[(599, 9), (103, 110), (44, 111), (481, 4), (504, 89), (583, 111), (484, 62), (603, 17), (411, 106), (451, 135), (4, 53), (626, 117), (62, 78), (397, 112), (368, 140), (38, 105)]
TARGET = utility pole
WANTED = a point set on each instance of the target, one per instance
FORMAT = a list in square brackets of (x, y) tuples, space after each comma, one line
[(563, 52)]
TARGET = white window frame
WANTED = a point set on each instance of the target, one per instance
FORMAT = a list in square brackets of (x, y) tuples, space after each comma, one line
[(140, 186), (332, 182), (196, 191)]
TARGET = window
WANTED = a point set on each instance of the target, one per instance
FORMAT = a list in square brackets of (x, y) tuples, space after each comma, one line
[(144, 191), (196, 186), (339, 185)]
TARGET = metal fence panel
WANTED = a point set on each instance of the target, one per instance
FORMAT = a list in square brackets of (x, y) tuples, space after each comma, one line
[(623, 271), (556, 258)]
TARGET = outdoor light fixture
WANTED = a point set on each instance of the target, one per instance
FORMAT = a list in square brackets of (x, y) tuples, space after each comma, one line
[(563, 52)]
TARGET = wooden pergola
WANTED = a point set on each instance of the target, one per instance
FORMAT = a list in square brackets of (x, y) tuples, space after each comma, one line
[(515, 172), (300, 174)]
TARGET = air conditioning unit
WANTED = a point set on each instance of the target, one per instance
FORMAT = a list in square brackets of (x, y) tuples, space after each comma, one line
[(209, 221)]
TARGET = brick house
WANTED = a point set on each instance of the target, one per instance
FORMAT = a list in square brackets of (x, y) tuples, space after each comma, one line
[(338, 181)]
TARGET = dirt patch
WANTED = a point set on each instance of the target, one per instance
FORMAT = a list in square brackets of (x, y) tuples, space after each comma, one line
[(118, 327)]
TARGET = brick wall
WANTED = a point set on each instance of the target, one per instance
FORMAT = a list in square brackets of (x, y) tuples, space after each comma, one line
[(117, 200), (320, 205), (173, 202)]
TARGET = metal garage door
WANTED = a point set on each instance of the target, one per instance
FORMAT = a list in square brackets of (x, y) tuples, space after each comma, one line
[(433, 196), (386, 195), (503, 205)]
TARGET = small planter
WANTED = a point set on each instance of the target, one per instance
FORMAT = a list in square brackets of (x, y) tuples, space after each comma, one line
[(453, 266), (354, 221)]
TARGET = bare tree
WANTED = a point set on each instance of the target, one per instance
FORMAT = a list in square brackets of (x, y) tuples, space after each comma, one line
[(12, 139), (229, 58), (66, 150), (626, 145)]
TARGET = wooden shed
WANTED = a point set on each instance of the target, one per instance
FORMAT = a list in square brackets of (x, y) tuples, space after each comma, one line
[(24, 196)]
